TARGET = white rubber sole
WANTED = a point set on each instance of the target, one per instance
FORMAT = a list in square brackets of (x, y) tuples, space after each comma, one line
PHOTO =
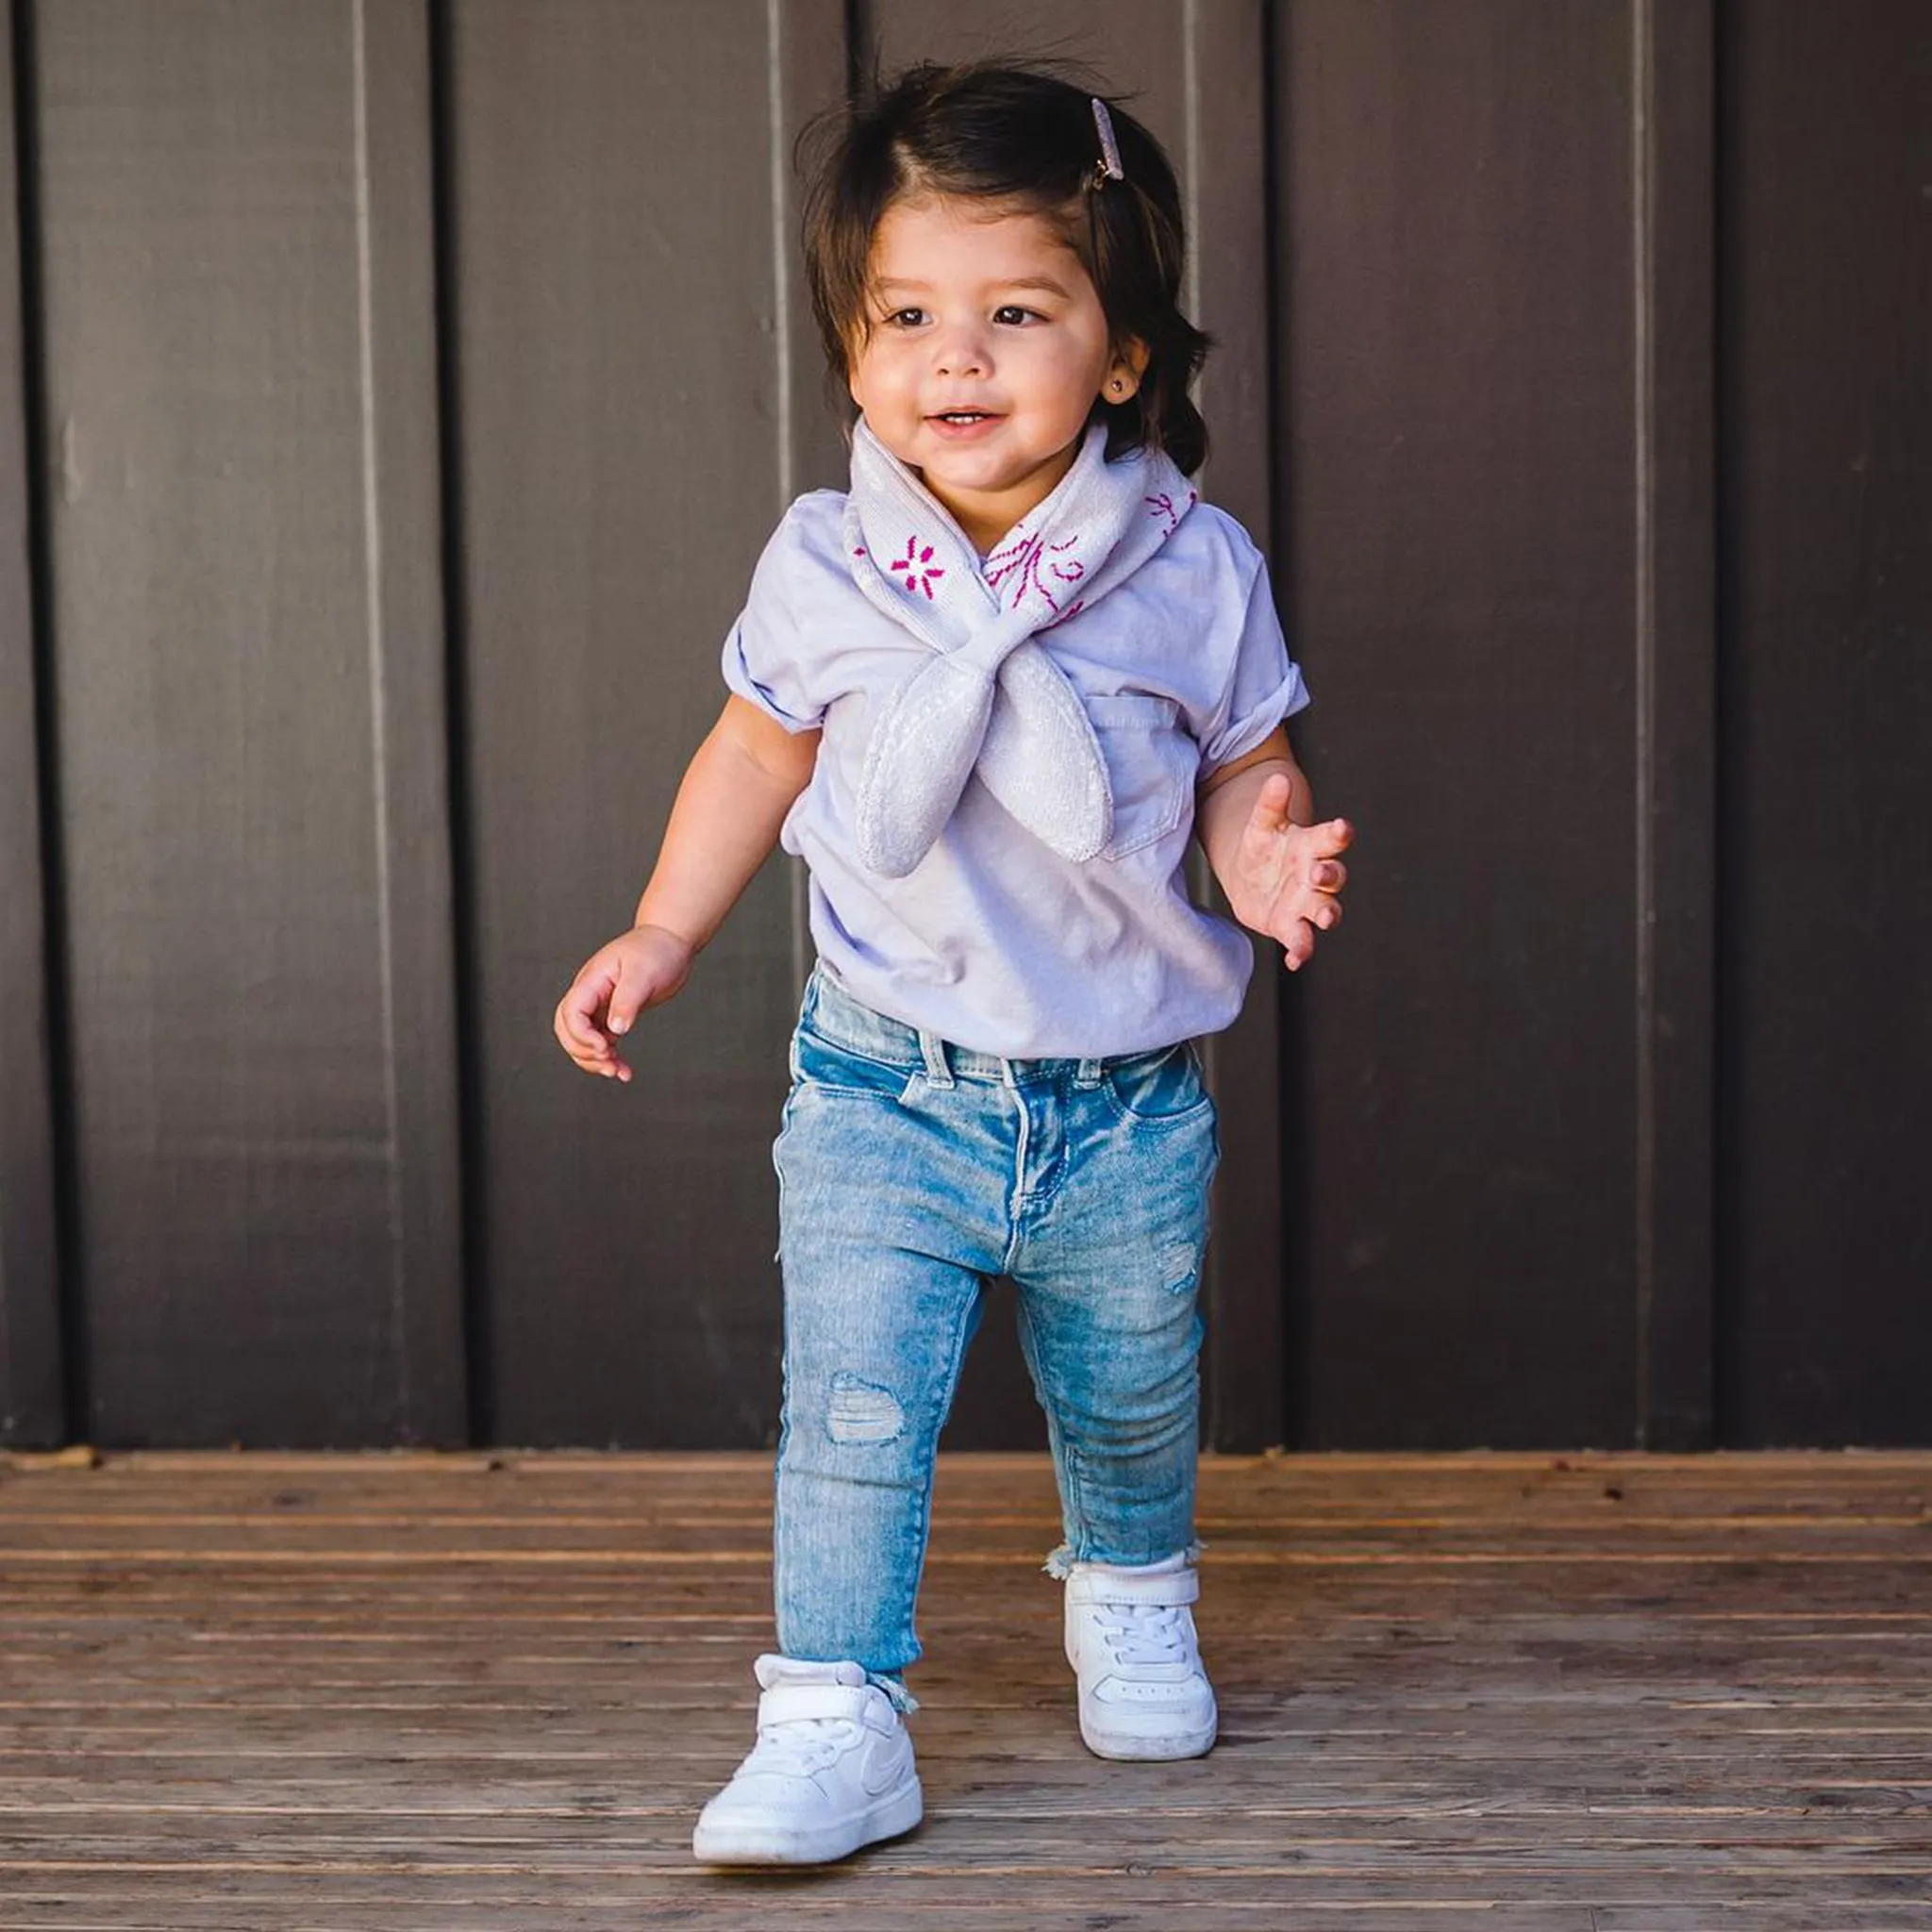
[(1149, 1747), (753, 1841)]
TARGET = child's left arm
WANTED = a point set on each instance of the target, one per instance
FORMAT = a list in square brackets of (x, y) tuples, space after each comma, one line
[(1280, 870)]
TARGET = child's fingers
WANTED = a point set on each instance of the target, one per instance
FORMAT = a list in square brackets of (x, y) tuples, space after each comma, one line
[(583, 1050), (606, 1064), (1270, 814), (578, 1011), (1333, 838), (629, 996), (1318, 914)]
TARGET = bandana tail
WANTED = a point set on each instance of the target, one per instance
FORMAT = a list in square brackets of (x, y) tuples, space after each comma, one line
[(1041, 760), (922, 751)]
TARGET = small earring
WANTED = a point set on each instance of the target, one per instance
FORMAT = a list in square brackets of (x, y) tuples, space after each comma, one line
[(1117, 385)]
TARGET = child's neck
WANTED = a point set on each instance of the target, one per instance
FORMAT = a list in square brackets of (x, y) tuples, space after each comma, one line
[(984, 532), (985, 518)]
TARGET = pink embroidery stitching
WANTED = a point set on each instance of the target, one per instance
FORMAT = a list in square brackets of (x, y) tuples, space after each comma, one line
[(916, 568), (1163, 505), (1023, 563)]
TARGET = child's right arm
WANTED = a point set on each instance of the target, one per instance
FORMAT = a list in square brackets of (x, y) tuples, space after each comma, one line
[(733, 800)]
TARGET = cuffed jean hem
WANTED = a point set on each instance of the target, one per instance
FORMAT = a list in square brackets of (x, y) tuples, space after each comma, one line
[(901, 1699), (1059, 1562)]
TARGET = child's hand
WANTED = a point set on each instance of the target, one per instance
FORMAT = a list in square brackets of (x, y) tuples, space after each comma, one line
[(642, 968), (1285, 877)]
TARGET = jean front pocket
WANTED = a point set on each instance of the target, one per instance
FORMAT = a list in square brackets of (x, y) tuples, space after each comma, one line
[(824, 1066), (1151, 765), (1163, 1089)]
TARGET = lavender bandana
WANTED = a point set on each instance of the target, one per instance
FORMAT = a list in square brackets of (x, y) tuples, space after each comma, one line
[(990, 699)]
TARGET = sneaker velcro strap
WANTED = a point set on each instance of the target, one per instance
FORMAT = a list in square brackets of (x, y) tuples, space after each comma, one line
[(1124, 1587), (792, 1701)]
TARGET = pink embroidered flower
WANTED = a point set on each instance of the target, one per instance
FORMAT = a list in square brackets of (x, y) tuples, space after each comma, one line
[(916, 570)]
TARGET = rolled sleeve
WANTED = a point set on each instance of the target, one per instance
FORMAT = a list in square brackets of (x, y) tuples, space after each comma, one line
[(763, 660), (1264, 685), (769, 696)]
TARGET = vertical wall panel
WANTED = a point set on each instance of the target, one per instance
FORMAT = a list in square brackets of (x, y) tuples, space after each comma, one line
[(639, 402), (247, 630), (1456, 488), (1673, 124), (1197, 76), (32, 1403), (1223, 160), (1827, 1332)]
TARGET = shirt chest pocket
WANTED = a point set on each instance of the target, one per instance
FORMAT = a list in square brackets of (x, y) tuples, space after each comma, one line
[(1150, 764)]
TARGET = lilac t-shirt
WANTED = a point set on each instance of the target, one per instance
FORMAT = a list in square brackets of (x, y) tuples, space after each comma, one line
[(993, 940)]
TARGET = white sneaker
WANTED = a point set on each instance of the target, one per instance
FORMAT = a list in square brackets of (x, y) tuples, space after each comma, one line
[(1130, 1639), (832, 1769)]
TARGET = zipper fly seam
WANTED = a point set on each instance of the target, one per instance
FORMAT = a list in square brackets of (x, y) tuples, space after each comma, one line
[(1016, 1204), (1030, 1202)]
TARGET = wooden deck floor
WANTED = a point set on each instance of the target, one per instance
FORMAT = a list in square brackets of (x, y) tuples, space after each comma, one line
[(1526, 1694)]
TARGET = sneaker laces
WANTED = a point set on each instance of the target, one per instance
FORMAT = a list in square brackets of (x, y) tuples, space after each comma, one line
[(797, 1746), (1143, 1633)]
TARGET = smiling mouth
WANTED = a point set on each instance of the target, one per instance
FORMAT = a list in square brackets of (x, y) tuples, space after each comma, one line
[(963, 417)]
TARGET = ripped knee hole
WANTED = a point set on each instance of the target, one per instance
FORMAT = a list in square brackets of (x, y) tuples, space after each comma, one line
[(862, 1412)]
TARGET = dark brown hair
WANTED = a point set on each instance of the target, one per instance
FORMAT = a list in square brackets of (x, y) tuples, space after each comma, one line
[(1025, 138)]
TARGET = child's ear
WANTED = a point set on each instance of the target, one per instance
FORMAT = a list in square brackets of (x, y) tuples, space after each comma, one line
[(1124, 373)]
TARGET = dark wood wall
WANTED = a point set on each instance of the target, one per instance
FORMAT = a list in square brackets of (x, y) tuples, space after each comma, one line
[(409, 386), (1824, 765), (1493, 236)]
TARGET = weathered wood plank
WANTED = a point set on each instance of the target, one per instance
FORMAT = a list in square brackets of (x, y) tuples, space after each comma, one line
[(33, 1400), (1824, 419), (636, 402), (244, 596), (1468, 1193)]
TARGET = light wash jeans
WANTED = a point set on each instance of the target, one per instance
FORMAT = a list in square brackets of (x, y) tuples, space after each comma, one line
[(909, 1170)]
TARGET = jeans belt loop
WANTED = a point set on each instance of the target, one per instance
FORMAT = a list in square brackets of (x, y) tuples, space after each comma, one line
[(1088, 1073), (934, 1050)]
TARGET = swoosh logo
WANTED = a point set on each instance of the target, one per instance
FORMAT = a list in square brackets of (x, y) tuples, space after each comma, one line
[(883, 1769)]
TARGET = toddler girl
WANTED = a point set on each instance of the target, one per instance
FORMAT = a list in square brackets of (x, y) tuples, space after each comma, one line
[(988, 696)]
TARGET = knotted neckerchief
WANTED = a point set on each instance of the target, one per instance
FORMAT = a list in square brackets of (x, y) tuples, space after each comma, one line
[(990, 699)]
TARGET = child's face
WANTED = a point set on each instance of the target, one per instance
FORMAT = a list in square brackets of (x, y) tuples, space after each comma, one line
[(987, 349)]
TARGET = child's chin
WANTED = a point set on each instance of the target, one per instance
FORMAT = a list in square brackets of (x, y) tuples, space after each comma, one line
[(984, 467)]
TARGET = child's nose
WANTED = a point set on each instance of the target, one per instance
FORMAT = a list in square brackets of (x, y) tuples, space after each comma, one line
[(963, 352)]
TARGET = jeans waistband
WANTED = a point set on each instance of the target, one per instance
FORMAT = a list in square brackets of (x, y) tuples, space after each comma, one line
[(832, 1013)]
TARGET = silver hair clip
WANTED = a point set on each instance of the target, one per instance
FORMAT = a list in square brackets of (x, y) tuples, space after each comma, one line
[(1109, 166)]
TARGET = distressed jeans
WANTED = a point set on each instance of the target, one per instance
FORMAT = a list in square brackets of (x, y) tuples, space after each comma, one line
[(910, 1172)]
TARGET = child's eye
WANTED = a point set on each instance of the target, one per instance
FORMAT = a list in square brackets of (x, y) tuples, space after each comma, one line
[(905, 318), (1012, 314)]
